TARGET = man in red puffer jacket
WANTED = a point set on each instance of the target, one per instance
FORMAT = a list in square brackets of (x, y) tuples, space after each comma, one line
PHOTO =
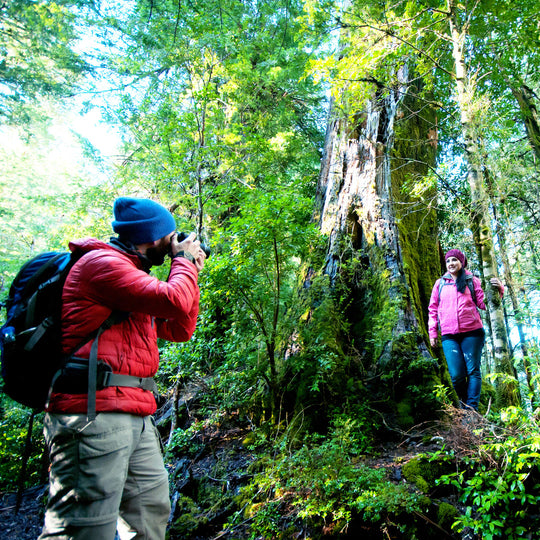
[(106, 466)]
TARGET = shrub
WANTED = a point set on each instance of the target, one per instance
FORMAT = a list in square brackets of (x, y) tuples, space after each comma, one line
[(500, 486), (325, 484), (14, 422)]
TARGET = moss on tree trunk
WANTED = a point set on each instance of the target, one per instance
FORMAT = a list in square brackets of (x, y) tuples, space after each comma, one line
[(382, 256)]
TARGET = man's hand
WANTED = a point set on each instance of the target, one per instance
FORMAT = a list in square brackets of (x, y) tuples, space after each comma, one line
[(190, 246)]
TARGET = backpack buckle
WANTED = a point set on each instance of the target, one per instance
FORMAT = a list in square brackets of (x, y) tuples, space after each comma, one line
[(104, 373)]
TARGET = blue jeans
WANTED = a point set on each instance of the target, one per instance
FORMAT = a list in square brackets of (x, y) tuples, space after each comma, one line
[(463, 355)]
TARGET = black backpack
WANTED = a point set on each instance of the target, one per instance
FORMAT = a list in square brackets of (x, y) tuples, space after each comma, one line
[(30, 339)]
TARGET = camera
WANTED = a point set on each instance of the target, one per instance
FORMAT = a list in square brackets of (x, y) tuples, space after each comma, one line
[(183, 235)]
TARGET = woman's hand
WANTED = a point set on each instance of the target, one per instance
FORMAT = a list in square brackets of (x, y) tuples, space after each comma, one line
[(433, 341), (496, 283)]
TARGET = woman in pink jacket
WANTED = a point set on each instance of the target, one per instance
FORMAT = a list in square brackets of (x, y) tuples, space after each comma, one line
[(453, 308)]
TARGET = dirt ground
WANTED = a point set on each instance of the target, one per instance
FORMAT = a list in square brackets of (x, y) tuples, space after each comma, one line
[(26, 523)]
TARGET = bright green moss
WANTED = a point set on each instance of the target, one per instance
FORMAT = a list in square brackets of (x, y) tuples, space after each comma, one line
[(424, 473), (446, 515)]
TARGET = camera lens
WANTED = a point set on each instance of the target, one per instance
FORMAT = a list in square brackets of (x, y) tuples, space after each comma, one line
[(183, 235)]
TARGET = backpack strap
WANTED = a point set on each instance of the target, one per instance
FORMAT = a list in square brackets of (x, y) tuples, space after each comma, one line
[(98, 377), (37, 333), (92, 377), (469, 282), (110, 379), (115, 379)]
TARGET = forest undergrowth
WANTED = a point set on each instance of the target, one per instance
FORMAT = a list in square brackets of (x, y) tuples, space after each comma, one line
[(466, 475)]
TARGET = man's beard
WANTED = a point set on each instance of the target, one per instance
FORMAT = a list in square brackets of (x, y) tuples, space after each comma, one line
[(156, 255)]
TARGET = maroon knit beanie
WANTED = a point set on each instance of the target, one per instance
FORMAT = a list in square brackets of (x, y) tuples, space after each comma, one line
[(458, 255)]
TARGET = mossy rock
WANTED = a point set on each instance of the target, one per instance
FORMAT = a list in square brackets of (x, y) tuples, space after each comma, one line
[(189, 520), (424, 473), (446, 515), (488, 396), (404, 410)]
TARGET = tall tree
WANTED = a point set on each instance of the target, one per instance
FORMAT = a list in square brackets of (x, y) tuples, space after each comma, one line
[(437, 36), (467, 100), (222, 126), (37, 55), (382, 256)]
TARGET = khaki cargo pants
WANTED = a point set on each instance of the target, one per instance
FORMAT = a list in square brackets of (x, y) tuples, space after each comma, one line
[(101, 471)]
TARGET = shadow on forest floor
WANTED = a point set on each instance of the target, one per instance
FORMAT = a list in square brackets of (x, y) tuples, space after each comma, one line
[(26, 523)]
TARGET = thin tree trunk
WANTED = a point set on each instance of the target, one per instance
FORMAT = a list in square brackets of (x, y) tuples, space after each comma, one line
[(490, 346), (529, 112), (525, 98), (507, 391), (175, 413), (510, 290), (27, 451)]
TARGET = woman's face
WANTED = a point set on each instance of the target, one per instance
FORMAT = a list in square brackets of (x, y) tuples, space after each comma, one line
[(453, 265)]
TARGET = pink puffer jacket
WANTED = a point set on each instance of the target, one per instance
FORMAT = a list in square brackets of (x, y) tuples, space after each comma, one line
[(455, 312), (107, 278)]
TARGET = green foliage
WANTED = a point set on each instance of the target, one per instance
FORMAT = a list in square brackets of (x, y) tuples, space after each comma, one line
[(37, 47), (446, 515), (251, 289), (321, 366), (190, 518), (45, 198), (425, 471), (501, 485), (267, 522), (14, 423), (199, 110), (185, 442), (323, 481), (207, 497)]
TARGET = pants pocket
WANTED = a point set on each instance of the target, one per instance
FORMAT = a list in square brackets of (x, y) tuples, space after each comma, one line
[(89, 460), (102, 466)]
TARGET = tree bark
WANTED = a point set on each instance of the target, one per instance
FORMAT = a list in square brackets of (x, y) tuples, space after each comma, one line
[(525, 98), (511, 291), (382, 253)]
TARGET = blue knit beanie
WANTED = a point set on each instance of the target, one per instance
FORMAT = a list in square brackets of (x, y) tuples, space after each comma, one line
[(141, 220)]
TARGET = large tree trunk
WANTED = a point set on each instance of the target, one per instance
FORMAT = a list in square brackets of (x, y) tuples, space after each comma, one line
[(382, 255), (507, 392)]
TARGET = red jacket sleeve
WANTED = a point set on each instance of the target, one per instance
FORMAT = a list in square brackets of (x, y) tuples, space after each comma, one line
[(180, 328), (114, 282)]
